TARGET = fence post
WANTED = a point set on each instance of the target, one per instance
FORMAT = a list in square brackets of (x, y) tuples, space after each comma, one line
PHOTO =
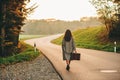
[(115, 46), (34, 46)]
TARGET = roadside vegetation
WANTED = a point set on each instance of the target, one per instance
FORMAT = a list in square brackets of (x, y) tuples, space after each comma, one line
[(24, 37), (25, 53), (92, 38)]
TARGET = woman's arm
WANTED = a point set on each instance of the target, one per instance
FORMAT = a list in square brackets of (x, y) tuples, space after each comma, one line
[(63, 45), (73, 45)]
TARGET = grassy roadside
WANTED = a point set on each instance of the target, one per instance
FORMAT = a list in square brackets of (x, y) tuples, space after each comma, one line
[(89, 38), (27, 53), (24, 37)]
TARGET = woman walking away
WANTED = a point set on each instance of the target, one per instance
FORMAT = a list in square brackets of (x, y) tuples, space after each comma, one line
[(68, 47)]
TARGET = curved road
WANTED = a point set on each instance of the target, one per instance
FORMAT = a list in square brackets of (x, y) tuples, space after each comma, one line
[(94, 65)]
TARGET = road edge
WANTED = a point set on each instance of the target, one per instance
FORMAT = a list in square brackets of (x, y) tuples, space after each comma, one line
[(52, 65)]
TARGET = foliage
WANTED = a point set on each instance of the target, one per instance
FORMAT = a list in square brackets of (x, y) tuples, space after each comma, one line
[(26, 55), (12, 16), (109, 14), (90, 38)]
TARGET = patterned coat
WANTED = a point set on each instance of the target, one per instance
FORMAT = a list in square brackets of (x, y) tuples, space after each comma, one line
[(67, 47)]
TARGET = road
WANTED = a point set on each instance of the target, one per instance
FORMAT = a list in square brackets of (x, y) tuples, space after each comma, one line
[(94, 64)]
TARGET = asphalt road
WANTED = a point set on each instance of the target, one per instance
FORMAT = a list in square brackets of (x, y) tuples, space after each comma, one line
[(94, 64)]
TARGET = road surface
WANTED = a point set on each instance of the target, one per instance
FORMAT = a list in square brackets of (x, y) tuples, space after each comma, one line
[(94, 65)]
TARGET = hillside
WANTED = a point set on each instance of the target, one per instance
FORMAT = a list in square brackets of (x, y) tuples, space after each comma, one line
[(89, 38), (40, 27)]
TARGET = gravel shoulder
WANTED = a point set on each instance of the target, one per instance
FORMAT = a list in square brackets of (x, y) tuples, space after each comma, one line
[(38, 69)]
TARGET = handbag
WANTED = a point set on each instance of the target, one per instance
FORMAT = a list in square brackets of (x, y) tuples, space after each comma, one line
[(75, 56)]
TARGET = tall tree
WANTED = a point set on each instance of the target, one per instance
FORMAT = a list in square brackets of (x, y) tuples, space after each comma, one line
[(2, 26), (12, 19)]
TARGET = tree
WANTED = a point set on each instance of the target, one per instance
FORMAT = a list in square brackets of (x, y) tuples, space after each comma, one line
[(115, 32), (2, 26), (12, 16), (107, 11)]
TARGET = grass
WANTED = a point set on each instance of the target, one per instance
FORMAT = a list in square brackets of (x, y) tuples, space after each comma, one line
[(24, 37), (89, 38), (27, 53)]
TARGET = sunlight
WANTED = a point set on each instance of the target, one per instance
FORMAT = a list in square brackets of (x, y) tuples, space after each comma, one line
[(62, 9)]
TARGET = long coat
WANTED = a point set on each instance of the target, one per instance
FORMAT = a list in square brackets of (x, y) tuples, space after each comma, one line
[(69, 48)]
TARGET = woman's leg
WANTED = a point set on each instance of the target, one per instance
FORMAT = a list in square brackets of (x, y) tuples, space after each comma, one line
[(68, 65), (67, 62)]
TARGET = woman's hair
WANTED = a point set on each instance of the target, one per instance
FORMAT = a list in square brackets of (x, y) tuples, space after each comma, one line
[(67, 35)]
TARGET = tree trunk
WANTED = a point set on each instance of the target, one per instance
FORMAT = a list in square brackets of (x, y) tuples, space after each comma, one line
[(2, 29), (2, 41)]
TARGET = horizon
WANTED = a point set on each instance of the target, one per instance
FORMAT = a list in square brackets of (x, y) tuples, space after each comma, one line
[(53, 19)]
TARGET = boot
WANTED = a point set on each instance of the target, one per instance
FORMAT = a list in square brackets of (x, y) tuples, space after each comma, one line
[(68, 67)]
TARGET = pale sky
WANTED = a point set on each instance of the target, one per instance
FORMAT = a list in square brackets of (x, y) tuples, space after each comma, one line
[(62, 9)]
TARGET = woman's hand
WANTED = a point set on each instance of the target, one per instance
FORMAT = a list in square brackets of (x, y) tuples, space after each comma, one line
[(75, 51)]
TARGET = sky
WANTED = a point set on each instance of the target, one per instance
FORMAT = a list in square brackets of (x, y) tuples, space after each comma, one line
[(67, 10)]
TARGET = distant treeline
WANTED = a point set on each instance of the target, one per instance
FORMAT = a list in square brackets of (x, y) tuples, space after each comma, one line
[(36, 27)]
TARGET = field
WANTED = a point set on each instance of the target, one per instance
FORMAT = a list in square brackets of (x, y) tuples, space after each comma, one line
[(24, 37)]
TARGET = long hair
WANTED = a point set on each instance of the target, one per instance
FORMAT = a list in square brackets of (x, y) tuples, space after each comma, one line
[(68, 35)]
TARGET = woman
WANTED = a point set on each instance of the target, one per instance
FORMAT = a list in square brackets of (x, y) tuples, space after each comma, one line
[(68, 47)]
